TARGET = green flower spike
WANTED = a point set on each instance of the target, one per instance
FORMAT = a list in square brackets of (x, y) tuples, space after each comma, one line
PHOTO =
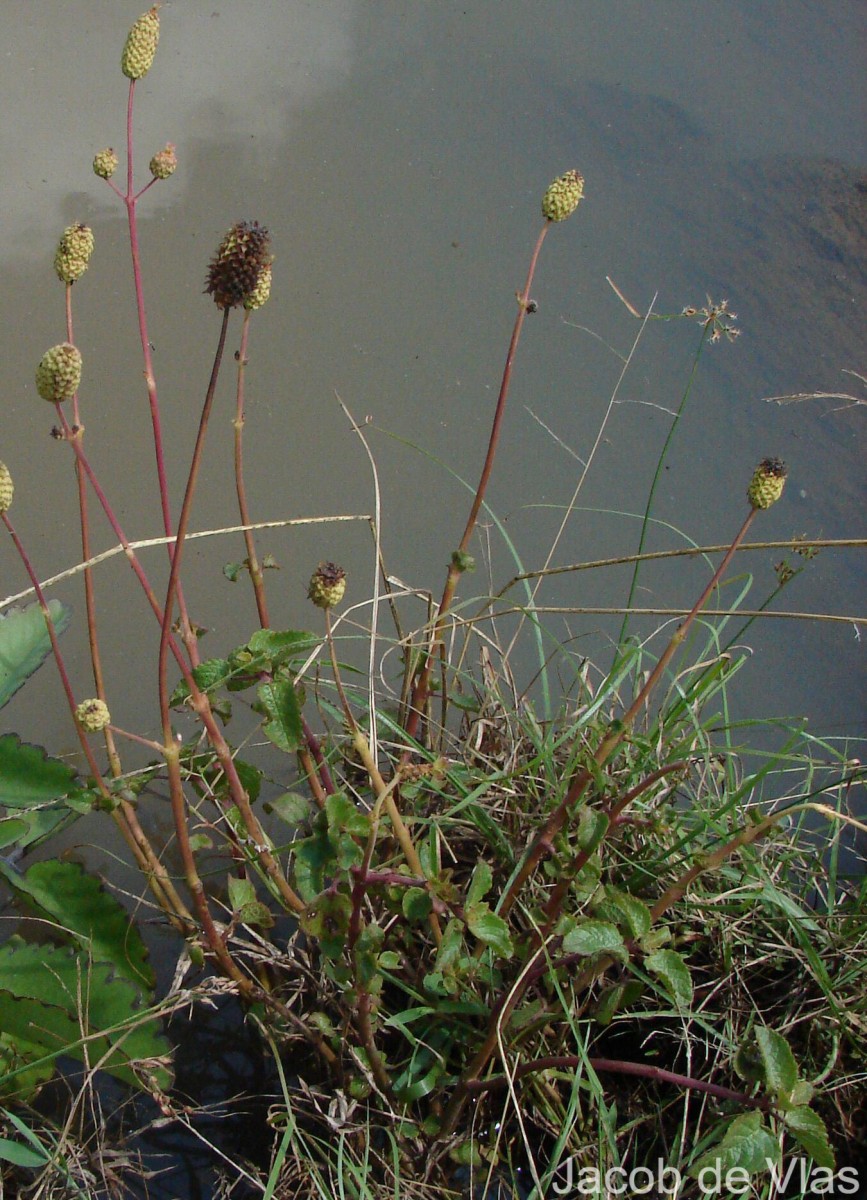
[(561, 198), (73, 253), (59, 373), (235, 275), (105, 163), (261, 292), (141, 45), (7, 488), (163, 164), (766, 485), (92, 715), (327, 585)]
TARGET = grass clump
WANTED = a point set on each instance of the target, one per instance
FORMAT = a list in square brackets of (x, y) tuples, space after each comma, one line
[(487, 946)]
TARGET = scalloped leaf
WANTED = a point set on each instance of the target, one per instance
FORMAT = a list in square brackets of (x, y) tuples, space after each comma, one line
[(625, 911), (25, 644), (279, 702), (595, 937), (85, 911), (748, 1144), (809, 1129), (490, 929), (674, 973), (278, 645), (29, 777), (55, 998), (781, 1070)]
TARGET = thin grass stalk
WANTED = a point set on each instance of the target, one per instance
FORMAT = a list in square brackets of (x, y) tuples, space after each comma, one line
[(543, 842), (657, 475), (421, 686), (570, 507), (583, 777)]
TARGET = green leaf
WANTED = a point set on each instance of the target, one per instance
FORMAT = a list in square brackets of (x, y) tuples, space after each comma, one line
[(277, 646), (614, 998), (314, 858), (241, 892), (22, 1156), (592, 827), (28, 777), (416, 904), (450, 947), (625, 911), (280, 704), (327, 920), (11, 829), (747, 1145), (480, 884), (343, 816), (25, 643), (54, 997), (84, 911), (781, 1070), (809, 1129), (674, 973), (291, 807), (19, 1078), (490, 929), (595, 937)]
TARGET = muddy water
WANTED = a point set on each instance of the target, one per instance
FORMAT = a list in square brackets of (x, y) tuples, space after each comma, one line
[(398, 152)]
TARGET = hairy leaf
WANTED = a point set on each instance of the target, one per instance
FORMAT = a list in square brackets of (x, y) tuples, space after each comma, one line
[(594, 937)]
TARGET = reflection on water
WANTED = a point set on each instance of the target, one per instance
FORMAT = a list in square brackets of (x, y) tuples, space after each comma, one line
[(397, 153)]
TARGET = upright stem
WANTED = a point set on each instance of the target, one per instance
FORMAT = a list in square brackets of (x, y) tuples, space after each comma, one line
[(249, 541), (421, 686), (183, 525), (199, 699), (130, 201)]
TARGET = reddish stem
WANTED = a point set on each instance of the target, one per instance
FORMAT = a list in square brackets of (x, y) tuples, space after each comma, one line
[(421, 687)]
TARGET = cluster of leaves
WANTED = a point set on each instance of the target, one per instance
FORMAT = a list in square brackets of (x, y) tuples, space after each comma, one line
[(85, 988)]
